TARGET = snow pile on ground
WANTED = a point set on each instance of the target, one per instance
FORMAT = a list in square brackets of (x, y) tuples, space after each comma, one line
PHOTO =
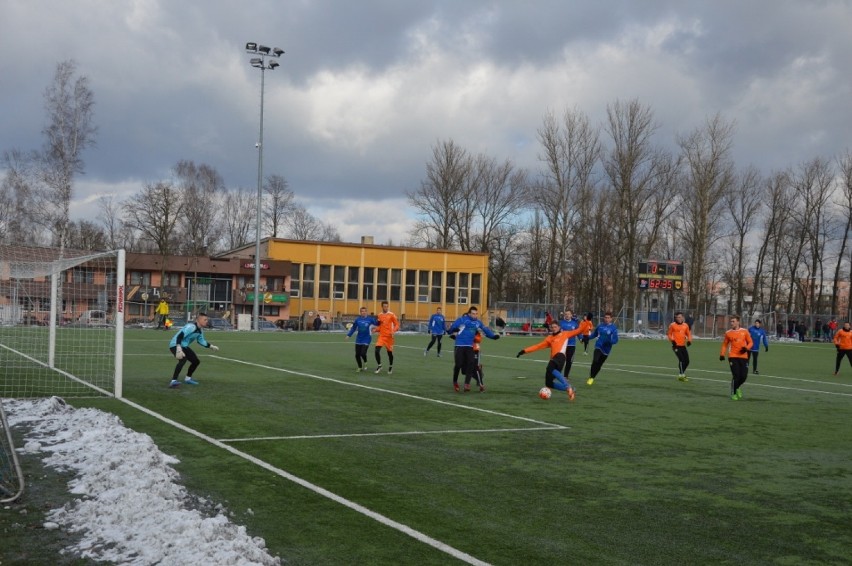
[(130, 510)]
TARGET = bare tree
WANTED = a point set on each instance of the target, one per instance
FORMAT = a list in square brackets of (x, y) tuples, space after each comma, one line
[(571, 149), (69, 104), (503, 192), (86, 235), (742, 204), (201, 185), (631, 164), (155, 212), (777, 202), (239, 216), (23, 220), (844, 164), (442, 193), (302, 225), (278, 203), (110, 218), (707, 179)]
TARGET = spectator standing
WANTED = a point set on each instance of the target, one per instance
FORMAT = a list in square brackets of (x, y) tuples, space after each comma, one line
[(162, 312)]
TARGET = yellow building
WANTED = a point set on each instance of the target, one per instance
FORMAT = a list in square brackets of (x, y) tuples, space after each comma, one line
[(339, 278)]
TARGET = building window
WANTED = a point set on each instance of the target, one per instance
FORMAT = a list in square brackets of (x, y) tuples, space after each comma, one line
[(140, 278), (437, 277), (475, 287), (295, 280), (352, 289), (382, 288), (83, 275), (275, 284), (325, 282), (171, 280), (451, 287), (308, 280), (396, 284), (339, 283), (369, 277), (423, 287), (410, 278)]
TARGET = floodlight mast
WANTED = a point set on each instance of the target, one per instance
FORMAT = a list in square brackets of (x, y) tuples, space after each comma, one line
[(264, 65)]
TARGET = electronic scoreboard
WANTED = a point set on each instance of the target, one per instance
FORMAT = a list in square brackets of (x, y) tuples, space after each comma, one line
[(664, 275)]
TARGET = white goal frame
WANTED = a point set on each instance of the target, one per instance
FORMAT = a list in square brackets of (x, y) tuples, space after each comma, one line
[(71, 345)]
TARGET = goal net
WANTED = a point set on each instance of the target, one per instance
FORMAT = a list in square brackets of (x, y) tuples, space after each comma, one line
[(61, 322), (11, 478)]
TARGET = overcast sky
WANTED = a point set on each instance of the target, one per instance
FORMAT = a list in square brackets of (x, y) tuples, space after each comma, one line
[(366, 88)]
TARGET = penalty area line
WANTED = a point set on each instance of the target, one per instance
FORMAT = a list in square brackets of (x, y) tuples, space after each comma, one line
[(378, 517), (401, 433), (392, 392)]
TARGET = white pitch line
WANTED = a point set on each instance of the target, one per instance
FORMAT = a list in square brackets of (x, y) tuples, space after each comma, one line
[(409, 433), (392, 392), (388, 522)]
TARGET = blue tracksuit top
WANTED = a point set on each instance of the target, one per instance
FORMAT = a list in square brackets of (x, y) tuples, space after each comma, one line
[(187, 335), (466, 328), (758, 334), (607, 335), (363, 325), (572, 324), (437, 324)]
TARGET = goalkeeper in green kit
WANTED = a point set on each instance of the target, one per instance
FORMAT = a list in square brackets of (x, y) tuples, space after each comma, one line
[(179, 347)]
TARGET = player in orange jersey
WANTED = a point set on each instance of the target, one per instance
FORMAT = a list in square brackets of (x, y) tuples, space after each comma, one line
[(681, 338), (388, 326), (737, 344), (557, 341), (843, 343), (586, 326)]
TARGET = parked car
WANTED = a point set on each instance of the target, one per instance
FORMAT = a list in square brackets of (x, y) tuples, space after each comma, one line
[(264, 325), (91, 319), (219, 324)]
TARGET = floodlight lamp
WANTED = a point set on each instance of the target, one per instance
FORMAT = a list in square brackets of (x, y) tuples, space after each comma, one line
[(263, 49), (278, 52), (273, 64), (251, 47), (256, 62)]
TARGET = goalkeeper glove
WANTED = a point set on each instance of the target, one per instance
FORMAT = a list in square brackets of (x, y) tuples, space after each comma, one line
[(743, 350), (179, 353), (674, 345), (214, 348), (519, 354), (688, 343), (721, 358)]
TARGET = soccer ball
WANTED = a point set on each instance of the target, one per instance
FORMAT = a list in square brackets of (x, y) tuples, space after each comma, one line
[(544, 393)]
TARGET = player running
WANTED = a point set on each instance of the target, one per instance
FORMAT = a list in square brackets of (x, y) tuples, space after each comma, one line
[(758, 335), (606, 336), (387, 327), (437, 328), (569, 322), (363, 325), (843, 343), (681, 338), (737, 343), (586, 325)]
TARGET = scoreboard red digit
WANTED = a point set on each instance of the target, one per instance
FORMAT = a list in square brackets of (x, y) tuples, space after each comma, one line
[(662, 275)]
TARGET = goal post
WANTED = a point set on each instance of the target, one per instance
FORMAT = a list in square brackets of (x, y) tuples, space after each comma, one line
[(61, 322)]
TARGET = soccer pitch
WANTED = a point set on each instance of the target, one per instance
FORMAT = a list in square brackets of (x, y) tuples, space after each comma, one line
[(331, 466)]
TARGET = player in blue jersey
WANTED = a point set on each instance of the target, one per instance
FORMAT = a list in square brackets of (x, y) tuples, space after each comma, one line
[(758, 334), (606, 335), (363, 325), (569, 322), (463, 331), (437, 328), (179, 347)]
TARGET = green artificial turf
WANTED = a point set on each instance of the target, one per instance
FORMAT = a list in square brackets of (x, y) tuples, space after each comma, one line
[(640, 469)]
